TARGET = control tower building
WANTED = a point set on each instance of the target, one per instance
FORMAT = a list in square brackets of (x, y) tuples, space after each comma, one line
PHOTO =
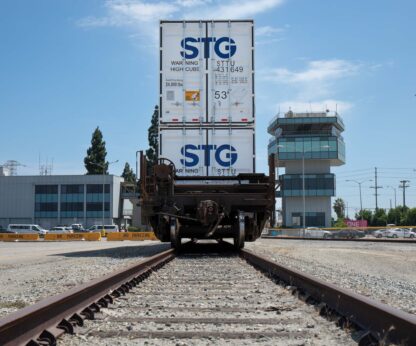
[(307, 145)]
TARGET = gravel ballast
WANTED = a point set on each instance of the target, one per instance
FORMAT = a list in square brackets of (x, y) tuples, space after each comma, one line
[(382, 271), (208, 300), (32, 271)]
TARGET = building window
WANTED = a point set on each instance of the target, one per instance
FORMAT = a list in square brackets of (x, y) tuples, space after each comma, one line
[(315, 185), (46, 201), (293, 148), (46, 189), (95, 209), (72, 189), (93, 206), (313, 219), (98, 188)]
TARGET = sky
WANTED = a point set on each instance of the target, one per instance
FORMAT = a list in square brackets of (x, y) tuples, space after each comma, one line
[(67, 67)]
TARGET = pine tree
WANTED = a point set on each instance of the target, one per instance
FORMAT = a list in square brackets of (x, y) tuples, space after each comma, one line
[(152, 152), (128, 174), (95, 161)]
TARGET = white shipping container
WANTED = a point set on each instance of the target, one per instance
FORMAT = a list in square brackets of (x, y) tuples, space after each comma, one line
[(206, 72), (209, 152)]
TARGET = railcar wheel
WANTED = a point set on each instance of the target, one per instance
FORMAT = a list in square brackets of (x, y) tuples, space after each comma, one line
[(175, 239), (241, 233)]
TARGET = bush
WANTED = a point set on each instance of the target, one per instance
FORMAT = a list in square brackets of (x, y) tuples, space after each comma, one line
[(340, 223)]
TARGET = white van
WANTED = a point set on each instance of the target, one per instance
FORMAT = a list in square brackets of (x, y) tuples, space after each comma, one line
[(103, 229), (24, 228)]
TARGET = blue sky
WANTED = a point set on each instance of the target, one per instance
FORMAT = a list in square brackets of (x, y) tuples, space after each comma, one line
[(69, 66)]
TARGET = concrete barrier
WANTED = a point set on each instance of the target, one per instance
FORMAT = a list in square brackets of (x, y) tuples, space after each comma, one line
[(96, 236), (19, 237), (142, 236), (117, 236), (135, 236)]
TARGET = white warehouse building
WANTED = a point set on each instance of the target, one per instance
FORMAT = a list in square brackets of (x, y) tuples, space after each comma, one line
[(63, 200)]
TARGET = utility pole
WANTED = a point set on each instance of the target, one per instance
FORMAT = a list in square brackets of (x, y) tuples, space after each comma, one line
[(376, 187), (403, 186)]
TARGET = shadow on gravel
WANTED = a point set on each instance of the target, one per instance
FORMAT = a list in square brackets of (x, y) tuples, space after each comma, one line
[(204, 248), (120, 252)]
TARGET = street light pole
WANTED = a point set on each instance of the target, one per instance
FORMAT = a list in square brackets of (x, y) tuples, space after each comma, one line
[(361, 198), (137, 165), (395, 201)]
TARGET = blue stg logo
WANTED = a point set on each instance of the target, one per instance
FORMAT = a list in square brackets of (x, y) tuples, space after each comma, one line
[(224, 47), (225, 155)]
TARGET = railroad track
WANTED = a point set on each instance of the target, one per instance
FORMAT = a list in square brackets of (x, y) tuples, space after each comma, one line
[(363, 240), (210, 297)]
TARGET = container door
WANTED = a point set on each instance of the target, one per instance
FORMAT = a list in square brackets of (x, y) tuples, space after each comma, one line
[(230, 79), (182, 74), (232, 151), (185, 148)]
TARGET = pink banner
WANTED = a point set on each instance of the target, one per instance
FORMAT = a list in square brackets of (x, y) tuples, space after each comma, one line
[(357, 223)]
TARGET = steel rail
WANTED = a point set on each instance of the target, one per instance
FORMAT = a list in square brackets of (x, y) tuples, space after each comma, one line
[(44, 321), (380, 322), (364, 240)]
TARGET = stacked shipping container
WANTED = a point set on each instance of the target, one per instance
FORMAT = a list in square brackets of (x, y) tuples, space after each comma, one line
[(206, 119)]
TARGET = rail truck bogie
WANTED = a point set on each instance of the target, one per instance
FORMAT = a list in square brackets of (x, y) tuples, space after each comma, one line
[(201, 207)]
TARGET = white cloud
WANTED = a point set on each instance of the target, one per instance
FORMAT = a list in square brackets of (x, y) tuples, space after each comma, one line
[(192, 3), (316, 71), (136, 13), (235, 9), (267, 31), (131, 13), (143, 12), (313, 88)]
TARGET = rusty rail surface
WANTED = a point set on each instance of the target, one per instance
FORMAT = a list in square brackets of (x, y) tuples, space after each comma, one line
[(364, 240), (44, 321), (380, 322)]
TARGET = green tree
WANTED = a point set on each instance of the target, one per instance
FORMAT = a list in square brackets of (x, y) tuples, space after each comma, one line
[(95, 162), (395, 216), (379, 218), (365, 215), (153, 137), (128, 174), (339, 208), (410, 219)]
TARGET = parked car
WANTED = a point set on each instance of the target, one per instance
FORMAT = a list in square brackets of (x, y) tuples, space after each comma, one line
[(26, 228), (380, 233), (60, 229), (400, 233), (104, 229), (349, 234), (77, 227), (315, 232)]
